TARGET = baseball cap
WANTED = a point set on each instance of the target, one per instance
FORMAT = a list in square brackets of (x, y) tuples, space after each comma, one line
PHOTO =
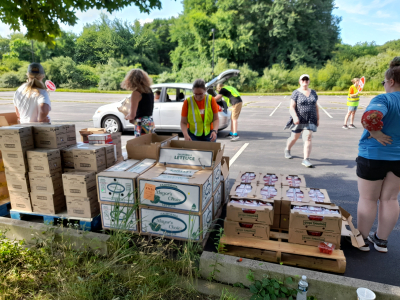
[(35, 68), (304, 75)]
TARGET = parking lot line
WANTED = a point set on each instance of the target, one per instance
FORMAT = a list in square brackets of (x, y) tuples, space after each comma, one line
[(232, 160), (275, 109), (325, 111)]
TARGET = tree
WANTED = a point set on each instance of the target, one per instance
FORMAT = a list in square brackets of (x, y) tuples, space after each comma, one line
[(42, 18)]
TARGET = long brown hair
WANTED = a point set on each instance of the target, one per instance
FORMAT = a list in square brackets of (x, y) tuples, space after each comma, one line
[(137, 80), (394, 70)]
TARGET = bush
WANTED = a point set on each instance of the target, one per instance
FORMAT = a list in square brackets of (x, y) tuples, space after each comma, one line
[(273, 79), (88, 76), (13, 63), (10, 80), (63, 72), (166, 77), (111, 79)]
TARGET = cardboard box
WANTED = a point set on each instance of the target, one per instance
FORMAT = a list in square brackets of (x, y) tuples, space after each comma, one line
[(85, 132), (244, 177), (79, 184), (110, 154), (194, 155), (119, 216), (16, 139), (176, 192), (89, 159), (70, 128), (83, 207), (20, 201), (71, 138), (277, 221), (286, 182), (217, 200), (250, 214), (148, 145), (266, 180), (225, 180), (18, 182), (45, 183), (313, 238), (100, 138), (267, 192), (318, 222), (163, 222), (284, 223), (312, 193), (356, 238), (243, 190), (120, 186), (50, 136), (123, 166), (67, 156), (8, 119), (246, 230), (4, 194), (1, 165), (48, 203), (46, 161), (3, 180), (296, 194), (15, 161)]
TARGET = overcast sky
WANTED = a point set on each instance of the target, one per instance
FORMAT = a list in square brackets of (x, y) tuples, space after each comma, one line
[(362, 21)]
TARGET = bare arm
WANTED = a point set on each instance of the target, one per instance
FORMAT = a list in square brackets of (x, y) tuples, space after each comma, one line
[(44, 110), (184, 128), (17, 112), (292, 111), (215, 126), (218, 97), (135, 99)]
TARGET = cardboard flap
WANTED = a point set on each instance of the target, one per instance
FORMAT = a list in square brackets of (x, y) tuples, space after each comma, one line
[(219, 155), (8, 119), (225, 170), (356, 238)]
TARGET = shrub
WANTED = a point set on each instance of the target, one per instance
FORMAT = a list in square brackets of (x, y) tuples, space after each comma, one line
[(88, 76), (10, 80), (13, 63), (111, 79)]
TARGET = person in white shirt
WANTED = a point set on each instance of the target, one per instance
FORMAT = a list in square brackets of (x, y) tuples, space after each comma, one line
[(31, 100)]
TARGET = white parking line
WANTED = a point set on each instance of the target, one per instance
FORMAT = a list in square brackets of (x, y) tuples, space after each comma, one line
[(275, 109), (325, 111), (232, 160), (124, 147)]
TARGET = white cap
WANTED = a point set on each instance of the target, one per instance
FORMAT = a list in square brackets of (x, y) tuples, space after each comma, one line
[(304, 75)]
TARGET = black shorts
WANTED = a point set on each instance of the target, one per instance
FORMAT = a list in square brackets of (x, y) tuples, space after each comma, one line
[(371, 169)]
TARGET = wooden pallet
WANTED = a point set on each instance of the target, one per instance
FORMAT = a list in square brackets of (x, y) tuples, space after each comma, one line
[(5, 207), (278, 250), (88, 224)]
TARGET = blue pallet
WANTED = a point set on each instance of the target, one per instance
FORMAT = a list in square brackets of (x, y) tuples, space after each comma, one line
[(5, 209), (87, 224)]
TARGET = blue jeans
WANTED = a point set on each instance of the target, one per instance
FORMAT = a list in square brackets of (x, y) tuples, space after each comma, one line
[(203, 138)]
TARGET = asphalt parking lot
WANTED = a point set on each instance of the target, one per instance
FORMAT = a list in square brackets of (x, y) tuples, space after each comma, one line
[(261, 132)]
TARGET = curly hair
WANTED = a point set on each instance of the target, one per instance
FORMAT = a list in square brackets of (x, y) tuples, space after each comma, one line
[(137, 80), (394, 70)]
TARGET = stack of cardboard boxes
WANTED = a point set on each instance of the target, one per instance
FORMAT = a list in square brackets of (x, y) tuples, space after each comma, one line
[(115, 137), (260, 202)]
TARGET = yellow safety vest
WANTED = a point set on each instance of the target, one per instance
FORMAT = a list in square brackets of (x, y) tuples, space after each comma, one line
[(234, 93), (196, 124), (352, 101)]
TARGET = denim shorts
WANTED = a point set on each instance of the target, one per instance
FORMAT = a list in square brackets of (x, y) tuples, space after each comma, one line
[(352, 108)]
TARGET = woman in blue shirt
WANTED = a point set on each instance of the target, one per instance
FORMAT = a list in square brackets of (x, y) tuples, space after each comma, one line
[(378, 163)]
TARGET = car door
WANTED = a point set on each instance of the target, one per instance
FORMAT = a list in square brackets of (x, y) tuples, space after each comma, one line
[(171, 108), (156, 110), (221, 78)]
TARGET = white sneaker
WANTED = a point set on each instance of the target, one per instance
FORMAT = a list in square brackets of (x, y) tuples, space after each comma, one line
[(234, 138)]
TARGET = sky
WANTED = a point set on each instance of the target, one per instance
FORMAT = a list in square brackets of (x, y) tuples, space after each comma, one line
[(362, 21)]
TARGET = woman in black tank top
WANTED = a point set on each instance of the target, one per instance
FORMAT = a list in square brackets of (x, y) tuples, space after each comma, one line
[(142, 101)]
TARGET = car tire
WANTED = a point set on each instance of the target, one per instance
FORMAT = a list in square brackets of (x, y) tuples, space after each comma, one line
[(111, 124)]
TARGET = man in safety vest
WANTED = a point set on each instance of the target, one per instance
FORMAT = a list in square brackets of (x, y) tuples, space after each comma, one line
[(199, 118), (353, 99), (232, 98)]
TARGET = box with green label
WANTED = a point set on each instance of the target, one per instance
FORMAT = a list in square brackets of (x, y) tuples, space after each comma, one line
[(194, 155), (187, 190), (217, 200), (158, 221), (119, 216), (120, 186)]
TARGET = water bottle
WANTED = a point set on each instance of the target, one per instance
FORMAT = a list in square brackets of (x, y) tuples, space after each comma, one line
[(302, 289)]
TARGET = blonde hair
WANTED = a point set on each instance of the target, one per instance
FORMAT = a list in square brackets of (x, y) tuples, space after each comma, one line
[(219, 86), (394, 70), (354, 80), (34, 83), (137, 80)]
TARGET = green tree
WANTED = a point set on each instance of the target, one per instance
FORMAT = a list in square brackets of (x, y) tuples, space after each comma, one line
[(42, 18)]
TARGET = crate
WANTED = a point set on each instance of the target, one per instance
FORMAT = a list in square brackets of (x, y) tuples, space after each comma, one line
[(5, 206), (279, 250), (87, 224)]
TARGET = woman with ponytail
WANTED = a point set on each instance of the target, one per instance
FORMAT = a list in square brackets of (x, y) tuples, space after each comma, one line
[(378, 163), (31, 100)]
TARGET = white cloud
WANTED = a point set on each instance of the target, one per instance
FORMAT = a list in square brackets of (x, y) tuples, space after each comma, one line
[(144, 21), (361, 8), (381, 14)]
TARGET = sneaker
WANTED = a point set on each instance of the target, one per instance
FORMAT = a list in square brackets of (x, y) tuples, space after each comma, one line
[(351, 126), (307, 163), (380, 245), (364, 248), (345, 127), (287, 154), (229, 136), (234, 138)]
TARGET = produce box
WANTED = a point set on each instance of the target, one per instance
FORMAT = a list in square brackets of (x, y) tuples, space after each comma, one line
[(119, 216), (248, 177), (250, 211), (79, 184), (83, 207), (271, 179), (243, 190), (293, 180), (47, 183), (16, 139), (46, 161), (15, 161), (246, 230), (89, 158), (20, 201), (18, 182), (50, 136), (217, 200)]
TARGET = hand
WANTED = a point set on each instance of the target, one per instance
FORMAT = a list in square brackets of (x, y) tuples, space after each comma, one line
[(213, 136), (187, 137), (45, 120), (296, 121), (129, 117), (381, 137)]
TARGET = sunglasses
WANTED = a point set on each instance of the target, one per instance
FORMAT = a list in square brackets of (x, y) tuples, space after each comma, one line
[(383, 82), (305, 79)]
